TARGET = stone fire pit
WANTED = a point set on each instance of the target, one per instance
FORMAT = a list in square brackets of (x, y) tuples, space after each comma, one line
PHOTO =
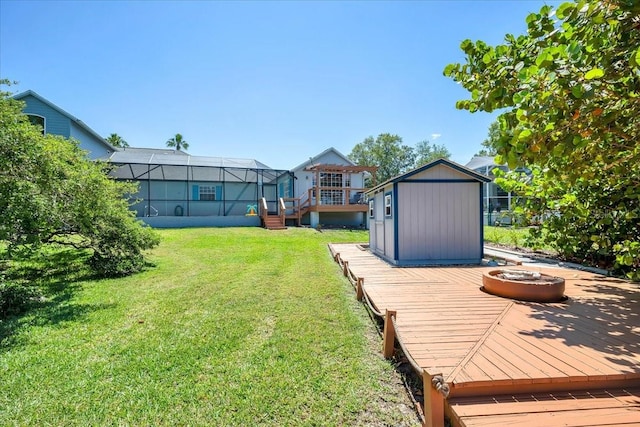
[(524, 285)]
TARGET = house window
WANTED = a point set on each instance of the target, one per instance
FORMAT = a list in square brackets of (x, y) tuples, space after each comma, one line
[(209, 192), (371, 211), (330, 179), (387, 204), (37, 121), (331, 197)]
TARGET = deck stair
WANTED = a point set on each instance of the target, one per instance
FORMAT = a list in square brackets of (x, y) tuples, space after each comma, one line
[(272, 221)]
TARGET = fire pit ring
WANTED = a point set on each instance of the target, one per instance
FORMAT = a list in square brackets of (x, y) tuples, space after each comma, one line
[(524, 285)]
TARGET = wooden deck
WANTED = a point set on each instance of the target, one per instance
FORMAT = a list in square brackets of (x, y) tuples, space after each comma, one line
[(509, 362)]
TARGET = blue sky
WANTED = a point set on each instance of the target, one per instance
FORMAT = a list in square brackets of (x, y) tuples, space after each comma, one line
[(274, 81)]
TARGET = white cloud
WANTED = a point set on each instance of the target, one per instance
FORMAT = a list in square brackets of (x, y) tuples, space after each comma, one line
[(435, 136)]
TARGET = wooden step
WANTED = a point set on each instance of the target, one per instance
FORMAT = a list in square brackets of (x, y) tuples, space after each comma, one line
[(273, 222)]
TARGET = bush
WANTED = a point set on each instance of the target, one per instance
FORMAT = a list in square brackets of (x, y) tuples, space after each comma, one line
[(15, 298), (50, 192), (118, 245)]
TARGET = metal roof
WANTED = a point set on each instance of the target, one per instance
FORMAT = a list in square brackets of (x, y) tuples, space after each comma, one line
[(154, 156), (481, 162)]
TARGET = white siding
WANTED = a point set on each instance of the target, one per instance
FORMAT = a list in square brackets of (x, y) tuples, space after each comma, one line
[(438, 221), (304, 180)]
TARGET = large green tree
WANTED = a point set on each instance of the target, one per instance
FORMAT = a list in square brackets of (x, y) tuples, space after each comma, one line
[(569, 92), (51, 193), (178, 143), (427, 152), (387, 152)]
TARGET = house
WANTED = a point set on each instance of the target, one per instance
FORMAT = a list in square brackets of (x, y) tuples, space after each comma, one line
[(431, 215), (177, 189), (56, 121), (329, 190)]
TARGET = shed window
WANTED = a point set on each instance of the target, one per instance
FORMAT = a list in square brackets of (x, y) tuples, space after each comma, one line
[(37, 120), (371, 208), (387, 204)]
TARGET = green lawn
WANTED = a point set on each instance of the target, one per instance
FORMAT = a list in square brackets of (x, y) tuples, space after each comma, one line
[(230, 327), (508, 236)]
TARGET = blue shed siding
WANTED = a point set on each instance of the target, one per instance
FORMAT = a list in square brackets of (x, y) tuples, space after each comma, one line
[(55, 123)]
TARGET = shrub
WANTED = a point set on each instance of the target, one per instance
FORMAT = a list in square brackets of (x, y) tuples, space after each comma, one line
[(15, 297)]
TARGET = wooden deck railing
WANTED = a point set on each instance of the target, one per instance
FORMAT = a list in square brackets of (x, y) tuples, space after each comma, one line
[(264, 210), (435, 388), (282, 209), (292, 205), (336, 196)]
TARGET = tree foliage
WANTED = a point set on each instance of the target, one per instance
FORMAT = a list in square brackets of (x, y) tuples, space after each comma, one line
[(427, 152), (178, 143), (492, 140), (116, 140), (51, 193), (569, 90), (387, 152)]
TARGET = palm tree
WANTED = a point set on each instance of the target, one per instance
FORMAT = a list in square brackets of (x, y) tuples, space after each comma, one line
[(116, 140), (178, 142)]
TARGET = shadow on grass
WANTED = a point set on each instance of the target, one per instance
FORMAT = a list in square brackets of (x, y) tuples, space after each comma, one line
[(54, 273)]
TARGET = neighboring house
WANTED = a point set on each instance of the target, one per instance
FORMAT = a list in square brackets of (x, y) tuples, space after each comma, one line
[(54, 120), (496, 202), (329, 190), (431, 215), (177, 189)]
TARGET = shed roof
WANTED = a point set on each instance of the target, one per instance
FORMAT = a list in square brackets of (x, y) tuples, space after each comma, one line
[(155, 156), (463, 169), (71, 117)]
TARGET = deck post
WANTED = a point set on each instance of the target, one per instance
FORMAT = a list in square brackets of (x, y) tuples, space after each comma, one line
[(433, 403), (359, 288), (388, 335), (345, 268)]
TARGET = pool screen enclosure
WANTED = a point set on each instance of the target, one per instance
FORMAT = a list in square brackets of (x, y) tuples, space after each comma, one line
[(176, 184)]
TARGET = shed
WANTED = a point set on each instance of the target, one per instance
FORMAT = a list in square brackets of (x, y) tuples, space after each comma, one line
[(431, 215)]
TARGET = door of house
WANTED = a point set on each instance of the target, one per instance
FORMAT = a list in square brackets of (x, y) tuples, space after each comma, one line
[(331, 196), (269, 192)]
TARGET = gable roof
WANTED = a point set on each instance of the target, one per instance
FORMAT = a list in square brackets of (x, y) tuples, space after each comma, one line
[(478, 162), (312, 160), (71, 117), (463, 169)]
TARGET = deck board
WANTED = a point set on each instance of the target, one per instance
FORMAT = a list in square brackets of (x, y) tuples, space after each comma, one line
[(480, 342)]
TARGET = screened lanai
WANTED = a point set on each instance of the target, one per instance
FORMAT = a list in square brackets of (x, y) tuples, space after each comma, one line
[(497, 203), (175, 184)]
